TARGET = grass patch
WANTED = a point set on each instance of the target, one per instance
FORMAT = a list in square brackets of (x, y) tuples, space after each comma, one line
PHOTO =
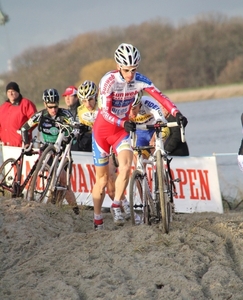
[(206, 93)]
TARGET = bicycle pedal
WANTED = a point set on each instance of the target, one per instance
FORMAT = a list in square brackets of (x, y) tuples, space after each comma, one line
[(176, 180), (154, 220), (53, 201)]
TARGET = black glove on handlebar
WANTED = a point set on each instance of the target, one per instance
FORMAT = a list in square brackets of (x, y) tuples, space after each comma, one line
[(129, 126), (28, 153), (180, 118), (83, 128)]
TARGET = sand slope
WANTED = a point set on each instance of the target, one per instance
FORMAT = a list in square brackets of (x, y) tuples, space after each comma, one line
[(50, 253)]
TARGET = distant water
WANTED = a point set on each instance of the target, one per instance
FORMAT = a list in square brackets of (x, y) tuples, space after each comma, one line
[(214, 126)]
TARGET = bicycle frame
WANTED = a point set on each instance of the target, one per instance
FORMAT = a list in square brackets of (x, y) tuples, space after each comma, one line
[(162, 193), (57, 171), (48, 179), (140, 194), (141, 166), (16, 165)]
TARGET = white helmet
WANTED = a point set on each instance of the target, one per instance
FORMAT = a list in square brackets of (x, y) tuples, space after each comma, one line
[(127, 55), (137, 99)]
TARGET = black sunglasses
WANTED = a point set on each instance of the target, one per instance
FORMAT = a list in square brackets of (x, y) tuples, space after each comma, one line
[(50, 107)]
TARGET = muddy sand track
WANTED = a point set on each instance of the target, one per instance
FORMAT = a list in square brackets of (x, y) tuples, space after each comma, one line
[(50, 253)]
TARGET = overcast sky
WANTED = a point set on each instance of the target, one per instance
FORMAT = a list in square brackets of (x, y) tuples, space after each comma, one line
[(46, 22)]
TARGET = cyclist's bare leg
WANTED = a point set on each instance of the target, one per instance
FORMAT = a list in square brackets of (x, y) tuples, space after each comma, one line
[(125, 158), (70, 196), (111, 179), (98, 192)]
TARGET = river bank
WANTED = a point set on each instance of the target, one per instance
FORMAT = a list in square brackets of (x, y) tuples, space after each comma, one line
[(215, 92)]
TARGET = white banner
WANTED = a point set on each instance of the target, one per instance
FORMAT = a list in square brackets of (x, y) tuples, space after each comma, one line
[(198, 190)]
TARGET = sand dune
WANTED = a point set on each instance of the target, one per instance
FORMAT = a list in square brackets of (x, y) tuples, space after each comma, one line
[(50, 253)]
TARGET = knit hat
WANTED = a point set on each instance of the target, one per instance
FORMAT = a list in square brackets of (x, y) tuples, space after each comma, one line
[(12, 86), (70, 91)]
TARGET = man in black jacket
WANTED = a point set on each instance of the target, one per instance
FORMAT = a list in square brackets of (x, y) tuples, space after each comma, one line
[(173, 144)]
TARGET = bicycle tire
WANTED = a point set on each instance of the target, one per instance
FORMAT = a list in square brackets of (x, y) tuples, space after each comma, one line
[(136, 196), (41, 179), (8, 176), (170, 202), (146, 214), (58, 196), (162, 193), (114, 159), (157, 199)]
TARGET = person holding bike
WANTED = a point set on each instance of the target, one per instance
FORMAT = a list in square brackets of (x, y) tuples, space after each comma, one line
[(87, 112), (146, 111), (42, 119), (112, 127)]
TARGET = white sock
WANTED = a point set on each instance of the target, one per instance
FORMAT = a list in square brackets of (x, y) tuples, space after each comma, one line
[(98, 217)]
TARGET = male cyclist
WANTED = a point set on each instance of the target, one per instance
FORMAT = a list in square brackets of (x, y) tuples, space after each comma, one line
[(87, 112), (49, 130), (112, 126), (146, 111)]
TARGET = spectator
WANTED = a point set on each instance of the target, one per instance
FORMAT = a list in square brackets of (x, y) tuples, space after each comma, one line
[(72, 102), (173, 144), (14, 112)]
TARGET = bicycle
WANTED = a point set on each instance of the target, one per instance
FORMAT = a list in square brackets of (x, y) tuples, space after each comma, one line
[(53, 172), (11, 181), (156, 203)]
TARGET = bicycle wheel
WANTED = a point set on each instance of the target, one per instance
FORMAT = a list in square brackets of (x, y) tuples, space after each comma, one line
[(137, 203), (41, 179), (61, 185), (8, 176), (170, 199), (162, 191)]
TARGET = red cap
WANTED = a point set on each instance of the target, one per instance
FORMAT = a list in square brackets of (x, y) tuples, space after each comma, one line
[(70, 91)]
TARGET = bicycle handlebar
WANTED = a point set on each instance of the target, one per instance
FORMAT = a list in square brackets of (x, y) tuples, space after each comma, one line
[(72, 129), (158, 126), (34, 140)]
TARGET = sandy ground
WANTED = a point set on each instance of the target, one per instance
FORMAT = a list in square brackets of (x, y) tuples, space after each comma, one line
[(48, 252)]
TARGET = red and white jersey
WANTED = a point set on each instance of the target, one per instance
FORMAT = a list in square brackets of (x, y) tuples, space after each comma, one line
[(117, 96)]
